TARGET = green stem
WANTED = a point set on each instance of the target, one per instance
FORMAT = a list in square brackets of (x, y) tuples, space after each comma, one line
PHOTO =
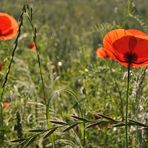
[(84, 142), (8, 72), (1, 126), (39, 62), (126, 115), (38, 58), (128, 7)]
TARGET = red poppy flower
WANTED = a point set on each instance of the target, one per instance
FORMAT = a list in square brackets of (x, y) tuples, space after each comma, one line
[(32, 46), (8, 26), (1, 66), (6, 104), (128, 47)]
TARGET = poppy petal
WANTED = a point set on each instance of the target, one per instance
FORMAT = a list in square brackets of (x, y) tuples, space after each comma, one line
[(141, 48), (114, 35), (137, 32), (102, 53), (125, 44), (121, 46)]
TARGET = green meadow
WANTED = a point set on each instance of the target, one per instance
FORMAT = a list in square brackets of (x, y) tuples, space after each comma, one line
[(60, 94)]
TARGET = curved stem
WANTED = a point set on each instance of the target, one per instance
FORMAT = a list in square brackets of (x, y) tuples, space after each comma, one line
[(126, 115)]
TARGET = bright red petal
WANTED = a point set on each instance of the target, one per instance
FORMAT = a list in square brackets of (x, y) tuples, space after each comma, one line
[(125, 44), (141, 48), (114, 35)]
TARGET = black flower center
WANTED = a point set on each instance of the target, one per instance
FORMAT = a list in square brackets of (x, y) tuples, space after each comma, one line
[(130, 57)]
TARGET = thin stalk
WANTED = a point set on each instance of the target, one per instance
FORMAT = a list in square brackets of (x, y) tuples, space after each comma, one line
[(53, 140), (39, 62), (126, 115), (13, 52), (84, 142), (128, 7), (8, 72), (38, 57), (41, 74), (1, 126)]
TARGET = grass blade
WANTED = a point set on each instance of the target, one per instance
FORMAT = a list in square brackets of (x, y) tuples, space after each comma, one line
[(49, 133), (70, 127), (39, 130), (31, 140), (80, 118), (58, 122)]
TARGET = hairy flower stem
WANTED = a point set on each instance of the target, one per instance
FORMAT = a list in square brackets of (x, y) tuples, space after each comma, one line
[(126, 113)]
